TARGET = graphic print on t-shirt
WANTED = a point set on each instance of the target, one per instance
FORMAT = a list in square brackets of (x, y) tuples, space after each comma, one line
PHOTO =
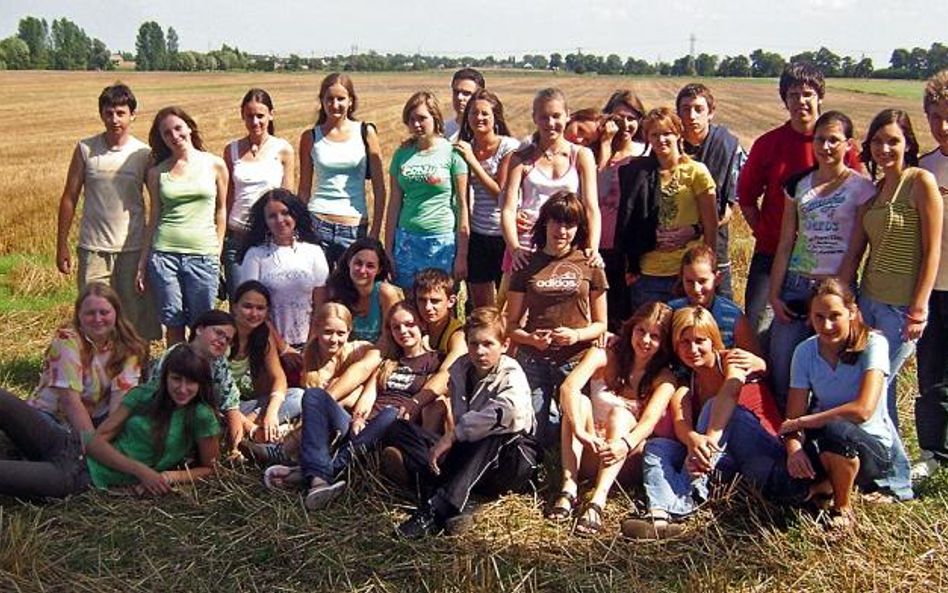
[(564, 278), (430, 174)]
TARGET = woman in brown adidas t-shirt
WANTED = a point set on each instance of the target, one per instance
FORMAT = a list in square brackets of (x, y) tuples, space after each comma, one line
[(563, 299)]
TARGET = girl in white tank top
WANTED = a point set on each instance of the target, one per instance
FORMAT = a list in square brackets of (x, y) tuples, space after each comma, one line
[(548, 166)]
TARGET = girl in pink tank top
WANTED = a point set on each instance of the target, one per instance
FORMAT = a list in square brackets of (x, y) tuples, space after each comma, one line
[(549, 165), (631, 387)]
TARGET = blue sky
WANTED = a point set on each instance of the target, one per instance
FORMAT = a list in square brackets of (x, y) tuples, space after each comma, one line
[(647, 30)]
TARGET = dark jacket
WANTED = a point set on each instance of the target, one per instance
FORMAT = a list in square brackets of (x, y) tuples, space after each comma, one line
[(639, 198)]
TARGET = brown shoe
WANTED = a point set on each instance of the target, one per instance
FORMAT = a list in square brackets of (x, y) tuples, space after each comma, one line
[(392, 466), (651, 529)]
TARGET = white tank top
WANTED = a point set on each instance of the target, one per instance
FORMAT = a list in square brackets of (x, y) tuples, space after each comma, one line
[(537, 187), (252, 178)]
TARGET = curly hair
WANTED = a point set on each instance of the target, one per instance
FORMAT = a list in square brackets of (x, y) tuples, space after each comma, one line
[(259, 233)]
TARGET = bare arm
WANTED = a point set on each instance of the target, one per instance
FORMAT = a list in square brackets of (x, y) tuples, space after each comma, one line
[(587, 182), (930, 206), (208, 450), (356, 374), (220, 203), (154, 214), (378, 181), (858, 410), (708, 213), (101, 449), (662, 391), (75, 179), (392, 215), (857, 247), (508, 212), (288, 160), (74, 410), (305, 189), (463, 226), (593, 361), (778, 273), (229, 163)]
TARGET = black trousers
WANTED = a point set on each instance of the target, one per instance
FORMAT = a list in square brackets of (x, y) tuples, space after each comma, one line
[(490, 466)]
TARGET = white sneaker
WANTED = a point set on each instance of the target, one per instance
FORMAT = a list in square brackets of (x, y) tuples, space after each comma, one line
[(926, 466), (323, 493)]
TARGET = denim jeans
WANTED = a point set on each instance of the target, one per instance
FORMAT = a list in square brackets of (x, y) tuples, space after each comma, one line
[(231, 265), (417, 251), (758, 310), (323, 419), (890, 321), (725, 286), (545, 378), (335, 237), (186, 285), (931, 405), (648, 289), (748, 449), (785, 336), (290, 409)]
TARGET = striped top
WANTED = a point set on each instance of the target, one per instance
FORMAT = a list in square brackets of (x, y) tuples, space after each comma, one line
[(894, 231)]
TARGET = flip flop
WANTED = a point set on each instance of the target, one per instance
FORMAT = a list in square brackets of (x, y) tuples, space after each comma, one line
[(283, 477)]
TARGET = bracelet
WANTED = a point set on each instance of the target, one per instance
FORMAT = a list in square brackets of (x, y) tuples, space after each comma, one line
[(625, 440), (797, 434), (914, 320)]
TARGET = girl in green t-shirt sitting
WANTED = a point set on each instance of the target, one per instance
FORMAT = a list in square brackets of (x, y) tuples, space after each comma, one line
[(152, 432)]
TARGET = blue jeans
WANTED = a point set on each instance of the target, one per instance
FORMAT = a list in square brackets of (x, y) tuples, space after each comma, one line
[(231, 265), (291, 408), (545, 378), (758, 310), (649, 289), (748, 449), (889, 320), (785, 336), (931, 406), (336, 238), (186, 285), (323, 419), (417, 251)]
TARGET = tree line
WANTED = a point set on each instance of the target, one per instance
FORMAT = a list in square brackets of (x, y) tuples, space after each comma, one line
[(66, 46)]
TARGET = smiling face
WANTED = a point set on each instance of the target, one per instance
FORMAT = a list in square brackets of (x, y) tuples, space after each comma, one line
[(695, 350), (97, 318), (257, 118), (803, 103), (481, 117), (213, 340), (550, 117), (364, 267), (336, 102), (280, 222), (663, 139), (696, 118), (332, 335), (698, 280), (406, 331), (628, 120), (559, 236), (182, 389), (117, 119), (887, 147), (831, 319), (830, 144), (938, 123), (646, 340), (175, 133), (251, 310), (421, 124), (584, 133)]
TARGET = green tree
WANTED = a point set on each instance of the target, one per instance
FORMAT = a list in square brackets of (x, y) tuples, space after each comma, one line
[(71, 46), (706, 64), (863, 68), (937, 58), (556, 61), (15, 53), (612, 65), (899, 59), (172, 41), (766, 64), (100, 58), (184, 61), (684, 66), (35, 33), (828, 63), (151, 51)]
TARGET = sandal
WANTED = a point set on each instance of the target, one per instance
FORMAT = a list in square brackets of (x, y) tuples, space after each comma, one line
[(283, 477), (649, 527), (591, 521), (558, 513)]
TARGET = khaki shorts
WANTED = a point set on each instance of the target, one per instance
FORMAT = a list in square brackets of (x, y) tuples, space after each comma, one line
[(118, 270)]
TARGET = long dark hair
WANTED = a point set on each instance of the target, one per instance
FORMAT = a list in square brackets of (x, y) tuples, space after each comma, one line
[(185, 361), (260, 234), (340, 286), (159, 150), (263, 97), (563, 207), (654, 312), (258, 342), (500, 123), (882, 119)]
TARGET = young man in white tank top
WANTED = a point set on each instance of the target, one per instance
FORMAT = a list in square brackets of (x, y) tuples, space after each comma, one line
[(109, 168)]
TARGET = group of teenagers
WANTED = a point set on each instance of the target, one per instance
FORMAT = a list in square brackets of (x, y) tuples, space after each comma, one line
[(599, 326)]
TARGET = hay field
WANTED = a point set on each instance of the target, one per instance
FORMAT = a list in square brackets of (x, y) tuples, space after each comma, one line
[(232, 535)]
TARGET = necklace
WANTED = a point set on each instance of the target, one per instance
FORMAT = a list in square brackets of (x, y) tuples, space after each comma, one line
[(256, 148)]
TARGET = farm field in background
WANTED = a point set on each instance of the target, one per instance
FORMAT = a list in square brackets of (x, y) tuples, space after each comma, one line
[(232, 535)]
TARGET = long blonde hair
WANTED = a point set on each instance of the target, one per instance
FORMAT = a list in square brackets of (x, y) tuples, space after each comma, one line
[(325, 312), (125, 341), (700, 321)]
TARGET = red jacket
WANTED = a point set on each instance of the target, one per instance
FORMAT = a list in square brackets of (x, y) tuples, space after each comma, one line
[(776, 156)]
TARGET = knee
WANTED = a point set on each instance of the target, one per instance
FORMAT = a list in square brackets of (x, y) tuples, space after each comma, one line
[(315, 398)]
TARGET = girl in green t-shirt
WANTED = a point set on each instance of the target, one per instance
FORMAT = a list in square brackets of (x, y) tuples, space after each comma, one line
[(152, 432)]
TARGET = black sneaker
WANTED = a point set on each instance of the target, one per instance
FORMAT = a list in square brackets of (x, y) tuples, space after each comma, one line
[(422, 523)]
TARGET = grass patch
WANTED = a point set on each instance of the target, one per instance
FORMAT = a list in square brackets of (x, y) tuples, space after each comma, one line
[(29, 283), (901, 89)]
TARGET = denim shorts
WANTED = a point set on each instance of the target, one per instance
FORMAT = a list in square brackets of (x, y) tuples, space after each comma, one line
[(417, 251), (185, 285), (335, 237)]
